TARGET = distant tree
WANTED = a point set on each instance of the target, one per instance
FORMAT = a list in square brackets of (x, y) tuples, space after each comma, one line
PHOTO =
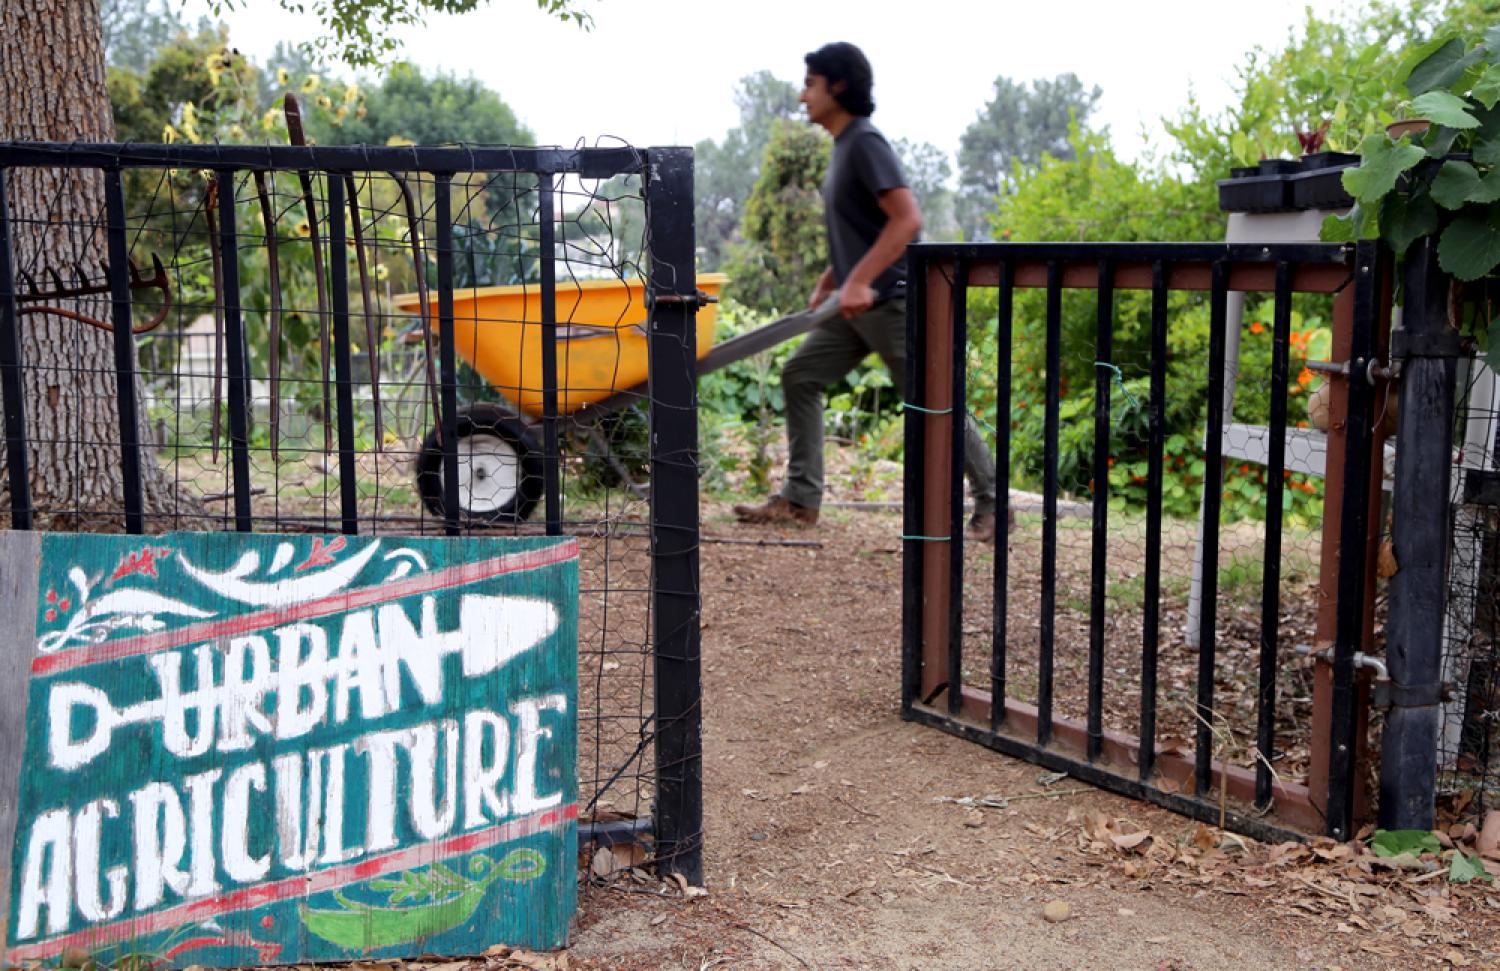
[(1019, 124), (927, 173), (134, 30), (783, 250), (442, 108), (725, 171)]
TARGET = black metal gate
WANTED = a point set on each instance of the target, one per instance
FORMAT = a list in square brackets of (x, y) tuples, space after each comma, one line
[(998, 643), (536, 213)]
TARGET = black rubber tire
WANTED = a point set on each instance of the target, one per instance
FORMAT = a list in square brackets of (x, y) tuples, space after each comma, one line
[(473, 422)]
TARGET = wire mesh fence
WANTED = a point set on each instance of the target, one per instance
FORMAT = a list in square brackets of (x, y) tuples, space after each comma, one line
[(1469, 763), (379, 340)]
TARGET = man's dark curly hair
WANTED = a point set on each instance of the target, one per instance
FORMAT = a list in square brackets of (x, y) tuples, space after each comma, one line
[(841, 61)]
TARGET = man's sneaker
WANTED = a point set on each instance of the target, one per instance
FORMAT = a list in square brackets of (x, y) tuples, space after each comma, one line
[(777, 511)]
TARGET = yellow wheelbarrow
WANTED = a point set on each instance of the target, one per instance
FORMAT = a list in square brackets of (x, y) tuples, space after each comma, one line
[(602, 365)]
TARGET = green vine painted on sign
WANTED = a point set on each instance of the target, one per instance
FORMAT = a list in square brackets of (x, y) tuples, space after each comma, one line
[(440, 899)]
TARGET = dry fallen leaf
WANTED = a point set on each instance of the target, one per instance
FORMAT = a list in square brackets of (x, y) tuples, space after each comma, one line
[(1126, 842)]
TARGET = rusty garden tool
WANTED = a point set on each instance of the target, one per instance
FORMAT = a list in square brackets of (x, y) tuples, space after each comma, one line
[(372, 336), (425, 311), (210, 204), (273, 268), (57, 289), (297, 137)]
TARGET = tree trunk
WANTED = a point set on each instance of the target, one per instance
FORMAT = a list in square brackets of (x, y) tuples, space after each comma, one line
[(52, 88)]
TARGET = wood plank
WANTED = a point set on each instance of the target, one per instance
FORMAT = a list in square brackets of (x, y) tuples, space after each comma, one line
[(257, 749)]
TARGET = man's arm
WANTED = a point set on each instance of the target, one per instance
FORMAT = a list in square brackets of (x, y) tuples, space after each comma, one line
[(903, 222)]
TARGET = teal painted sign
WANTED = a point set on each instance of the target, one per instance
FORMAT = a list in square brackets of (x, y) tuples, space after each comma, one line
[(257, 749)]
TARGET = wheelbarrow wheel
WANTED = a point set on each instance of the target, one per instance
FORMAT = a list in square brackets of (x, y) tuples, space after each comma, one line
[(500, 472)]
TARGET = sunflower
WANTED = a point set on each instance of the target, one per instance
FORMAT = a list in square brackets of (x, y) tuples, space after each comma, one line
[(310, 84), (283, 77)]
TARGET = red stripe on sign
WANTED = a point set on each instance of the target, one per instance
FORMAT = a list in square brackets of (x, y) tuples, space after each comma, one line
[(453, 576), (303, 885)]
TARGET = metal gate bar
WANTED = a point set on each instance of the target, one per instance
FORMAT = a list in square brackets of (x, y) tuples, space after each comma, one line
[(932, 652)]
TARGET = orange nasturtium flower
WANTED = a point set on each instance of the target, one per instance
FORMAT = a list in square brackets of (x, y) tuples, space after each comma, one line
[(1257, 328), (1304, 377)]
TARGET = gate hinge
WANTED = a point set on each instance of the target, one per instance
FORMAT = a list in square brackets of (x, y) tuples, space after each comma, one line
[(1447, 343)]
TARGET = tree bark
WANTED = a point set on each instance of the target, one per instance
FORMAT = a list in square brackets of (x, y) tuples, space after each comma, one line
[(52, 88)]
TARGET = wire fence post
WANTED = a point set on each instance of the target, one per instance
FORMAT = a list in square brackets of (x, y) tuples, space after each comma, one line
[(672, 296), (1427, 349)]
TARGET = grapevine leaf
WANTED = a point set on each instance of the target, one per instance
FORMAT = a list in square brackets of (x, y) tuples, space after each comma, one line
[(1470, 246), (1454, 183), (1467, 868), (1382, 163), (1444, 108), (1406, 218), (1487, 88), (1442, 67), (1488, 189), (1395, 842)]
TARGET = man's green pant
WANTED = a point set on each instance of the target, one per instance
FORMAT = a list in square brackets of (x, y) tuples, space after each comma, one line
[(831, 351)]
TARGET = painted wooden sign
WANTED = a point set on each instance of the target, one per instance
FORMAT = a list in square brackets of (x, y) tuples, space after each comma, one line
[(223, 749)]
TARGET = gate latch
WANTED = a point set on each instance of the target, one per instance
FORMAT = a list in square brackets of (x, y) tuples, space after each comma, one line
[(694, 300), (1385, 693)]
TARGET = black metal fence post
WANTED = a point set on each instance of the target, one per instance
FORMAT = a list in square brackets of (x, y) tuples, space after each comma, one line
[(239, 364), (124, 347), (1427, 349), (672, 289)]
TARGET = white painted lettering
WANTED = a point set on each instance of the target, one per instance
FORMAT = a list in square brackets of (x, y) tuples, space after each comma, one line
[(87, 832), (235, 844), (160, 841), (46, 876), (380, 824), (296, 674), (529, 733), (432, 821), (481, 776), (240, 710), (64, 751), (203, 700)]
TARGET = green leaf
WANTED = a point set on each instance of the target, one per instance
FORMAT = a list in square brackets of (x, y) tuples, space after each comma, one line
[(1488, 189), (1453, 184), (1394, 842), (1487, 89), (1338, 229), (1487, 151), (1492, 40), (1467, 868), (1429, 57), (1442, 67), (1382, 164), (1492, 340), (1439, 140), (1406, 218), (1470, 246), (1444, 108)]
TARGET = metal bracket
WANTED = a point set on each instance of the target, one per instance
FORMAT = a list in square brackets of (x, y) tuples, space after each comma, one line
[(1386, 693), (1372, 368), (1447, 343), (693, 300)]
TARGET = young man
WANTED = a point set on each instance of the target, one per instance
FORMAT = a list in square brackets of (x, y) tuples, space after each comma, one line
[(871, 216)]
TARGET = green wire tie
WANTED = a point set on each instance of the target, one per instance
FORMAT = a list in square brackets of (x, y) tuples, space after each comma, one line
[(926, 411), (929, 539), (1120, 380)]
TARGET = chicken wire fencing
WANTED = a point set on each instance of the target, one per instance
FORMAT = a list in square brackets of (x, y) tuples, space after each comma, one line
[(1184, 462), (1471, 626), (452, 341)]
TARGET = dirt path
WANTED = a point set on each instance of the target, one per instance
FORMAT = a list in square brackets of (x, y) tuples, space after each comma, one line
[(829, 845)]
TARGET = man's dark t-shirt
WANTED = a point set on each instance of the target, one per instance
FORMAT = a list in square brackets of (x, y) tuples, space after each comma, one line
[(862, 167)]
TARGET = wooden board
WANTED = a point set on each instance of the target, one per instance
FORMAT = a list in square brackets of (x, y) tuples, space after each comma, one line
[(229, 749)]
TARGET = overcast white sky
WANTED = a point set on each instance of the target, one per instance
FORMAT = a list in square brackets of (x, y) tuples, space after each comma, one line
[(662, 72)]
